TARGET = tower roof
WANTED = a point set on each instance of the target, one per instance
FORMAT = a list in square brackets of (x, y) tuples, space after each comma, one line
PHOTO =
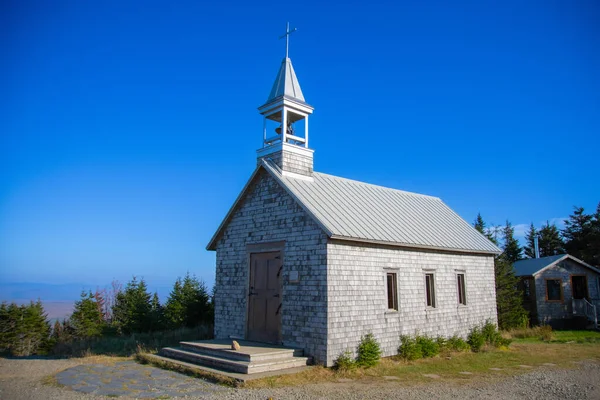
[(286, 83)]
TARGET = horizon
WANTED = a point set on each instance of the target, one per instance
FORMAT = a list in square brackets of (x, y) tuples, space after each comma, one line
[(129, 131)]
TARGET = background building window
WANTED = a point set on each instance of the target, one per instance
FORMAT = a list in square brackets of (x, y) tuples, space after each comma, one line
[(430, 290), (462, 294), (392, 291), (553, 290)]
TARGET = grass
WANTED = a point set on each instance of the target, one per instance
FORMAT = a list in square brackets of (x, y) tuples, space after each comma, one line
[(546, 334), (448, 368)]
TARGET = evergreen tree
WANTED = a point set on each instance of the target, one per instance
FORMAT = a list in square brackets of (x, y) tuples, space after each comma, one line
[(578, 234), (188, 303), (157, 314), (508, 299), (511, 313), (7, 327), (132, 308), (480, 225), (24, 330), (595, 239), (512, 250), (550, 242), (87, 319), (529, 248)]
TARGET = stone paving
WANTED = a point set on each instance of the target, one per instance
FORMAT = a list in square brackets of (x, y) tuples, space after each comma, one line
[(127, 378)]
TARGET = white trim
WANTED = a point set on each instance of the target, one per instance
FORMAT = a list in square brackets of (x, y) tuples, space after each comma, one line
[(291, 148)]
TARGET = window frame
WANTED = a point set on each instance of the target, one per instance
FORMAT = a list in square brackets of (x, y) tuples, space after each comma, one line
[(461, 290), (394, 299), (560, 289), (430, 290)]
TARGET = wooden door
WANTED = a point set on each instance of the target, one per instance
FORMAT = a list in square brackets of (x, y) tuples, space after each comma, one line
[(264, 298), (579, 287)]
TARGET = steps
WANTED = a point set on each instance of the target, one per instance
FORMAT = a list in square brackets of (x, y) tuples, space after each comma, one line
[(252, 358)]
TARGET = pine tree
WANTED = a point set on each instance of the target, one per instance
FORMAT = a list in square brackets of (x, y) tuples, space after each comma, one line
[(512, 250), (87, 319), (550, 242), (480, 225), (132, 308), (157, 314), (595, 239), (7, 327), (511, 313), (578, 234), (188, 303), (24, 329), (529, 248), (508, 299)]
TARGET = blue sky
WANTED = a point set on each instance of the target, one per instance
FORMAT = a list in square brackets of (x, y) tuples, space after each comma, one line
[(127, 129)]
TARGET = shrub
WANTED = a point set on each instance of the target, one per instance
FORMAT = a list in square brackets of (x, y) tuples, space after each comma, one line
[(345, 362), (409, 349), (476, 339), (456, 343), (491, 334), (429, 347), (369, 351), (442, 343)]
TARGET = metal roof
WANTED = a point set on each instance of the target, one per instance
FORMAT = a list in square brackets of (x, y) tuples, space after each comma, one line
[(532, 266), (357, 211), (286, 83)]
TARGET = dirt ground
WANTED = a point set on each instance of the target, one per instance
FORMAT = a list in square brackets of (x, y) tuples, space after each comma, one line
[(32, 379)]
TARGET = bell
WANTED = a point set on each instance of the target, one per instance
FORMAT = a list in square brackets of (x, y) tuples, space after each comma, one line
[(278, 130)]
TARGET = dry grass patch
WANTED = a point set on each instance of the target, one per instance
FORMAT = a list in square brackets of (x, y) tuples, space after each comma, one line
[(543, 333), (449, 368)]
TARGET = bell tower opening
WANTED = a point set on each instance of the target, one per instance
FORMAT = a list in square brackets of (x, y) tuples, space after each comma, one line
[(285, 122)]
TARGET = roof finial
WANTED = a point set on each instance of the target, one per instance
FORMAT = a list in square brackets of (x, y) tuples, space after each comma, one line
[(287, 39)]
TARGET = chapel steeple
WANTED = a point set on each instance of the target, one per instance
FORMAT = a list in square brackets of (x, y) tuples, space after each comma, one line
[(287, 112)]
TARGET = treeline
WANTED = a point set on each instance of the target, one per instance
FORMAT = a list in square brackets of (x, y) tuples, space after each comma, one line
[(579, 238), (132, 313)]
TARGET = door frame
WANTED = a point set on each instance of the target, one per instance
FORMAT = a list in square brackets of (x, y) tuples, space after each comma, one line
[(255, 248), (587, 287)]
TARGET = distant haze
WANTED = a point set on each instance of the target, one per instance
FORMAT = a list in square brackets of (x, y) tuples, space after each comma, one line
[(58, 299)]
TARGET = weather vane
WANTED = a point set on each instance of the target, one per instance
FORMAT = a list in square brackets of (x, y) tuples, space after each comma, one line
[(287, 38)]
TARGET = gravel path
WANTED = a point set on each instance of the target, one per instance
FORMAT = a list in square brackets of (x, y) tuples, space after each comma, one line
[(27, 380)]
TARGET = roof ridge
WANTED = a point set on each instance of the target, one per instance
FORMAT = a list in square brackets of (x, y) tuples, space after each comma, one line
[(379, 186)]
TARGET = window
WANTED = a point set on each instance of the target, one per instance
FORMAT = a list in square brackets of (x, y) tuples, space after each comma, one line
[(429, 290), (462, 295), (553, 290), (392, 291)]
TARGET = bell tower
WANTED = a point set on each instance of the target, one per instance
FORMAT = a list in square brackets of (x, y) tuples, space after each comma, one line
[(287, 112)]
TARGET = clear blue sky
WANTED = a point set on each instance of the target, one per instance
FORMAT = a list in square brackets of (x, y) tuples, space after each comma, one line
[(127, 130)]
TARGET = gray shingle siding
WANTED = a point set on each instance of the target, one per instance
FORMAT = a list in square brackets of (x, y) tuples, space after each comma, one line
[(357, 295), (551, 311), (269, 214)]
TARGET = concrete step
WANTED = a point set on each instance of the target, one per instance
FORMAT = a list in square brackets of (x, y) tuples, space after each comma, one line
[(264, 353), (211, 373), (238, 366)]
